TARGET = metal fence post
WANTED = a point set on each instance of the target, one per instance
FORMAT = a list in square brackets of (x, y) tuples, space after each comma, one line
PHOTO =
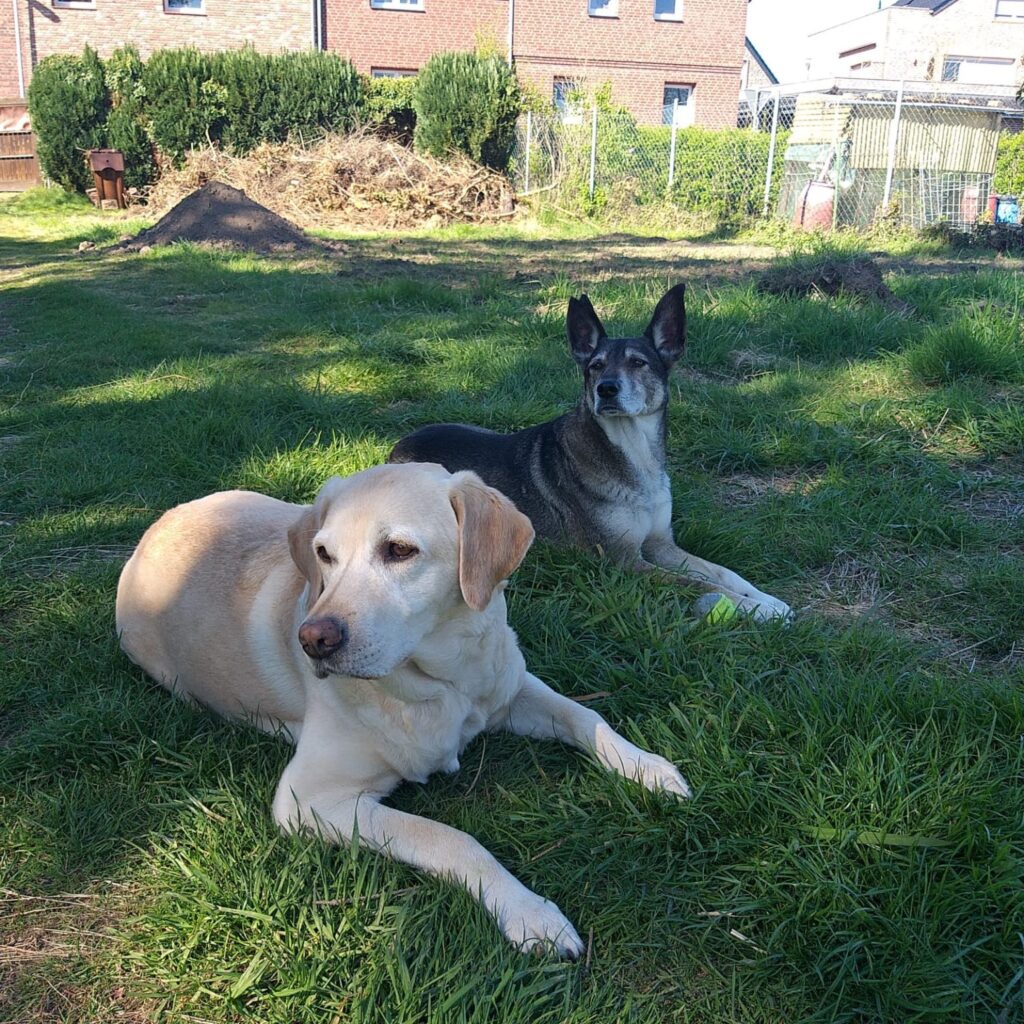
[(593, 150), (672, 147), (771, 154), (529, 135), (894, 131)]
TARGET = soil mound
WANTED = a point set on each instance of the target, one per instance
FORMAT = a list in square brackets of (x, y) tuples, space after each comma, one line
[(859, 276), (217, 214), (355, 180)]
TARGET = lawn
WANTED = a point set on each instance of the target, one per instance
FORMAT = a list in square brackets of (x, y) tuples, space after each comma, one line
[(855, 847)]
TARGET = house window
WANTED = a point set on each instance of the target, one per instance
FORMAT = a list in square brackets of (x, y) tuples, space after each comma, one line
[(565, 94), (678, 98), (603, 8), (392, 73), (979, 70), (668, 10), (82, 5), (397, 5), (1009, 9), (184, 6)]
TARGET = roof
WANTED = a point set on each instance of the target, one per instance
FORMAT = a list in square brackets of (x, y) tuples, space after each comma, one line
[(932, 6), (760, 61)]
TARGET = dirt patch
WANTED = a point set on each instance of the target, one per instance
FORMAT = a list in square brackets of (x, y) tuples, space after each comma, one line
[(849, 588), (217, 214), (749, 489), (861, 277), (355, 180)]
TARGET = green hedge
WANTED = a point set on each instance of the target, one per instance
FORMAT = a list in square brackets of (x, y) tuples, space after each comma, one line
[(180, 100), (68, 103), (467, 103), (719, 173), (389, 107), (1009, 177), (126, 126)]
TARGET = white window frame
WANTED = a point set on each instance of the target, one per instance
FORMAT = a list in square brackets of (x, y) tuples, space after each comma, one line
[(1012, 5), (188, 12), (393, 73), (568, 113), (75, 5), (397, 5), (608, 9), (685, 112), (676, 15)]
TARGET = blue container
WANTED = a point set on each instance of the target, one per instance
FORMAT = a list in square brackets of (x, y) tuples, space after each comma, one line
[(1007, 210)]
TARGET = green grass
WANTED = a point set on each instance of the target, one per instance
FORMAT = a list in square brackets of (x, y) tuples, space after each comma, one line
[(855, 848)]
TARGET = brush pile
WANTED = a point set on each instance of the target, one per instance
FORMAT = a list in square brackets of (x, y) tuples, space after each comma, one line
[(358, 180)]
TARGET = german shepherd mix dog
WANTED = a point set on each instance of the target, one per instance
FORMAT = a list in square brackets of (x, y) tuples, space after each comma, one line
[(595, 477)]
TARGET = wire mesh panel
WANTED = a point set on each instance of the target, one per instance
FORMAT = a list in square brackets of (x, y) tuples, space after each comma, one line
[(907, 158)]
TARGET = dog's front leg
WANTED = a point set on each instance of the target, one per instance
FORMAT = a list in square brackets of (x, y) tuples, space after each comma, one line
[(661, 551), (541, 713), (527, 920)]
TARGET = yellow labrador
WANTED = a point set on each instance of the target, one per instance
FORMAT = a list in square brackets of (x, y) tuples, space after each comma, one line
[(370, 629)]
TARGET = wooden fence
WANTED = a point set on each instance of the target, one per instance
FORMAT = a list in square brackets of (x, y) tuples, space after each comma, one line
[(19, 165)]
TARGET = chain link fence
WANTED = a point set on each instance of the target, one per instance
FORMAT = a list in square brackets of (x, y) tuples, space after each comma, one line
[(909, 156)]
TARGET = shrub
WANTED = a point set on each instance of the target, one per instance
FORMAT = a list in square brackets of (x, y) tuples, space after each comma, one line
[(983, 345), (126, 129), (1009, 175), (68, 105), (317, 93), (184, 104), (389, 107), (249, 98), (467, 104)]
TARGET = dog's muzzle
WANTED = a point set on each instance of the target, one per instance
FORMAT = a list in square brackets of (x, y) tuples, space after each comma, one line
[(320, 638), (607, 398)]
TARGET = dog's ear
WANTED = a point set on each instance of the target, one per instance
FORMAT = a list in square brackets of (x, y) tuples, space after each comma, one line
[(300, 544), (584, 328), (493, 537), (667, 329)]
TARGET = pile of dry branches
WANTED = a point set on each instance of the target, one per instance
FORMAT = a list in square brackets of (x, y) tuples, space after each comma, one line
[(357, 180)]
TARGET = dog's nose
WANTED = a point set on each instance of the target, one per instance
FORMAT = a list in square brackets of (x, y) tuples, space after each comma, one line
[(320, 638), (607, 389)]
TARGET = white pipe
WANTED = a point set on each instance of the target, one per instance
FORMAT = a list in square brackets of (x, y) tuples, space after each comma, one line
[(17, 50), (511, 31), (894, 131)]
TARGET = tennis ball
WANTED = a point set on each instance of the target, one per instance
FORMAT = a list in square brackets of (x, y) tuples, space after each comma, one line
[(715, 608)]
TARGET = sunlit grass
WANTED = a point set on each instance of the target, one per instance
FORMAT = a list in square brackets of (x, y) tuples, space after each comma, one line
[(855, 848)]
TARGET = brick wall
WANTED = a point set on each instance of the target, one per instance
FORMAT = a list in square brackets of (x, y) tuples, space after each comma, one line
[(633, 52), (48, 28), (407, 39)]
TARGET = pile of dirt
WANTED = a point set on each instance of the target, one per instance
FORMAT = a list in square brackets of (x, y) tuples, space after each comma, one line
[(354, 180), (860, 276), (218, 214)]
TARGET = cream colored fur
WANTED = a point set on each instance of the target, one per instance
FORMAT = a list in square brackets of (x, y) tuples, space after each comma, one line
[(210, 605)]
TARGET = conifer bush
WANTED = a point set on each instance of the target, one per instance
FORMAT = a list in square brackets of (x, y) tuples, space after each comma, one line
[(467, 103)]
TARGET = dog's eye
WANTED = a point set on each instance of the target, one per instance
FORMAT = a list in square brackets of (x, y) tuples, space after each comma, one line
[(637, 363), (399, 551), (321, 553), (597, 364)]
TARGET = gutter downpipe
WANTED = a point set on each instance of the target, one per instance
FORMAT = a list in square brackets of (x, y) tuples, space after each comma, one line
[(17, 50), (511, 32)]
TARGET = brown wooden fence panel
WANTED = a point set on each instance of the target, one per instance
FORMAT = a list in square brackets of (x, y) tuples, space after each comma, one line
[(19, 165)]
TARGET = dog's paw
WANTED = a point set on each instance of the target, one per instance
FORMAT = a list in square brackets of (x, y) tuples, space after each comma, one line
[(661, 776), (536, 925), (765, 608)]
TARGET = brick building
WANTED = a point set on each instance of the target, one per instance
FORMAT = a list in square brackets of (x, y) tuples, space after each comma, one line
[(65, 26), (651, 52)]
